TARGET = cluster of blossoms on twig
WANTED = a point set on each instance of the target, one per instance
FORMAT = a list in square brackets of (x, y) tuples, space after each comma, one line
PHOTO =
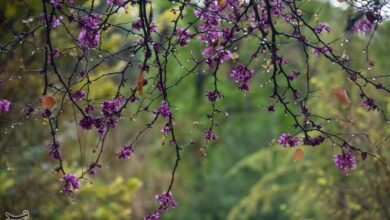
[(70, 182), (4, 105), (166, 202)]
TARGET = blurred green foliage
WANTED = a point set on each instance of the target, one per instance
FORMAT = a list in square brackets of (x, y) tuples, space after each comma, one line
[(244, 176)]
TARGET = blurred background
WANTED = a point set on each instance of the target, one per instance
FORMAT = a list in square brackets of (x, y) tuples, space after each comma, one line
[(245, 175)]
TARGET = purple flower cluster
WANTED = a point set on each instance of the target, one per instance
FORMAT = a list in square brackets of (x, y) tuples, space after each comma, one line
[(313, 141), (345, 161), (109, 117), (213, 95), (210, 135), (166, 129), (89, 35), (166, 202), (126, 152), (56, 22), (88, 39), (263, 22), (79, 94), (215, 50), (216, 55), (153, 216), (111, 107), (281, 60), (241, 75), (293, 75), (4, 105), (90, 21), (55, 3), (230, 9), (210, 20), (70, 182), (277, 7), (287, 139), (374, 15), (298, 35), (28, 110), (184, 36), (316, 52), (93, 167), (163, 109), (46, 113), (369, 104), (100, 125), (364, 155), (87, 122), (322, 50), (363, 26), (54, 151), (116, 2), (55, 53), (322, 27), (137, 25)]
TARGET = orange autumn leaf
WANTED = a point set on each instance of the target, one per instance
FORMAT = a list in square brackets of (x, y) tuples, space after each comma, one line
[(221, 3), (140, 83), (298, 155), (341, 95), (48, 101)]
